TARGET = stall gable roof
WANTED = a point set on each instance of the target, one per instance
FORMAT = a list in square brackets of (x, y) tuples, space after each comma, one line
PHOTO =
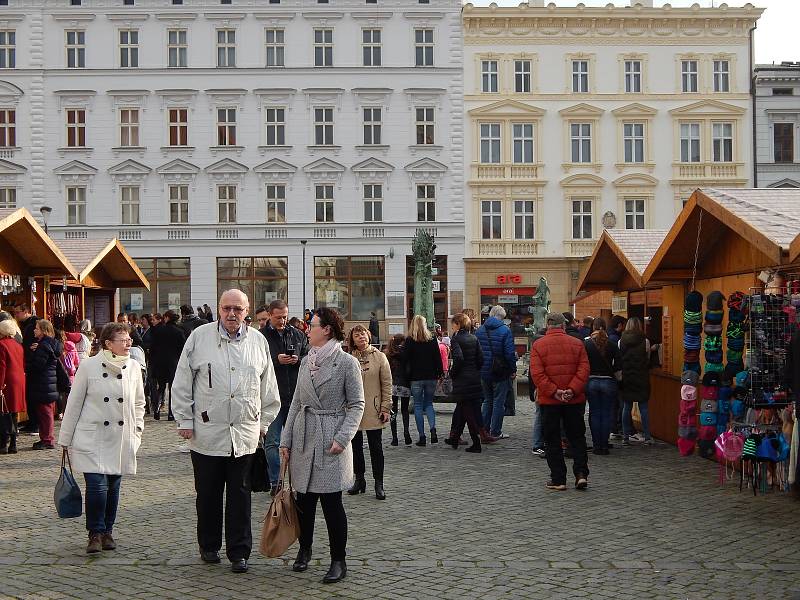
[(21, 231), (631, 249), (86, 255), (638, 245)]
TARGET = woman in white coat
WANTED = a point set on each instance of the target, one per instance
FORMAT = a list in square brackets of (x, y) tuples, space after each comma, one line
[(102, 429)]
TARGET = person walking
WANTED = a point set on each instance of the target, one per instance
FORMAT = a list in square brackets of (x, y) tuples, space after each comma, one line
[(42, 381), (467, 390), (560, 371), (189, 320), (376, 376), (12, 384), (615, 329), (499, 366), (601, 390), (401, 388), (374, 329), (287, 347), (635, 357), (166, 343), (27, 323), (224, 394), (324, 416), (424, 367), (102, 429)]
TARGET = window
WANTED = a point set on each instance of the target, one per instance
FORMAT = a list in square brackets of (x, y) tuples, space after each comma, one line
[(722, 142), (489, 76), (722, 76), (128, 48), (522, 76), (371, 47), (170, 286), (8, 128), (426, 202), (783, 142), (276, 203), (226, 127), (781, 91), (633, 76), (324, 203), (423, 47), (128, 127), (352, 285), (178, 127), (8, 197), (690, 142), (178, 204), (424, 125), (276, 126), (76, 128), (8, 49), (522, 134), (491, 220), (689, 75), (372, 126), (581, 142), (523, 220), (262, 278), (128, 2), (634, 213), (177, 47), (490, 142), (373, 203), (323, 47), (76, 49), (130, 204), (580, 76), (323, 126), (76, 206), (176, 2), (226, 203), (633, 141), (276, 50), (226, 48), (581, 219)]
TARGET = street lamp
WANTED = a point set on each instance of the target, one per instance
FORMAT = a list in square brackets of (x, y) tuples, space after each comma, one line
[(45, 210), (303, 243)]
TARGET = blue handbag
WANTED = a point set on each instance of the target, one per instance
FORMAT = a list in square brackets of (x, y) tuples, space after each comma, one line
[(67, 495)]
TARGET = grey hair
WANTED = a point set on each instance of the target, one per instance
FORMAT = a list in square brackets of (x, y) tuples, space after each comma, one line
[(498, 312), (555, 319), (236, 291), (86, 326)]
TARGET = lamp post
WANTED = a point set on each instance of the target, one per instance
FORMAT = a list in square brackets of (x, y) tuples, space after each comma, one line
[(303, 244), (45, 210)]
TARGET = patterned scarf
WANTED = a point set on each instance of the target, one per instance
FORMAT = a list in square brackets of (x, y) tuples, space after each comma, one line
[(317, 355)]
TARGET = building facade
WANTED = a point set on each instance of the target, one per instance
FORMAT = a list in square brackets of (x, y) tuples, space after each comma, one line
[(582, 118), (777, 111), (290, 148)]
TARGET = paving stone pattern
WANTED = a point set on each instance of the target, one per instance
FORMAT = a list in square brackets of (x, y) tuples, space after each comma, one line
[(454, 526)]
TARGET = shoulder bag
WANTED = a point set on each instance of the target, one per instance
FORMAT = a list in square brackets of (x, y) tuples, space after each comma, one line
[(67, 495), (281, 524)]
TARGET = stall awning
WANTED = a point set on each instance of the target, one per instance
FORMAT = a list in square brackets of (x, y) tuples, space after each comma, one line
[(23, 241), (620, 258), (728, 231), (103, 263)]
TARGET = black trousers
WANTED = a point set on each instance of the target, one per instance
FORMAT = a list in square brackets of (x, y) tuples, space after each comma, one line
[(213, 476), (571, 415), (465, 415), (158, 393), (404, 400), (375, 453), (8, 428), (335, 519)]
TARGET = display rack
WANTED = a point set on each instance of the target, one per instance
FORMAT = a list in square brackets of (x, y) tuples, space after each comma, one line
[(772, 322)]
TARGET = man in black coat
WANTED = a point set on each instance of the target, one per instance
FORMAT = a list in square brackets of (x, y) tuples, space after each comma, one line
[(288, 346), (27, 323), (166, 344), (189, 320)]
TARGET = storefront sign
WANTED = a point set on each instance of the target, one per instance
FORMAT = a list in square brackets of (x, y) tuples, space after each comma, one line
[(137, 301), (102, 310), (270, 296), (437, 286), (509, 291), (509, 279), (508, 299), (174, 300)]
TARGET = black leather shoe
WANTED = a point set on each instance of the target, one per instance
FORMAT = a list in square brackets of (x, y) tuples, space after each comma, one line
[(209, 556), (337, 572), (434, 437), (239, 566), (301, 562), (380, 494), (359, 486)]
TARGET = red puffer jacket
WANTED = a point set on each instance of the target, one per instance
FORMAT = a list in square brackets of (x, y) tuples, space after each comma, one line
[(558, 362)]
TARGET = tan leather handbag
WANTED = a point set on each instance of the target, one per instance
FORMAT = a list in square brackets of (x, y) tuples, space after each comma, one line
[(281, 524)]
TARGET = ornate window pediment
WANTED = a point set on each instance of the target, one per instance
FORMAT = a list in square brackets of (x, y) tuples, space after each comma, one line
[(9, 93), (582, 180), (372, 170), (425, 96), (507, 108), (75, 172), (425, 170), (315, 96), (232, 97), (75, 99), (635, 180), (129, 171), (324, 169), (177, 98), (708, 108), (11, 173), (178, 171), (281, 97), (129, 98), (634, 110), (582, 110), (275, 170), (227, 171), (372, 96)]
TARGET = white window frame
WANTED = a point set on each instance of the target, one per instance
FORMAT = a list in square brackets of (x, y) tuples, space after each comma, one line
[(690, 138), (579, 214), (425, 127), (226, 47), (177, 48), (323, 203), (275, 126), (128, 48), (76, 204), (722, 75), (77, 127), (8, 128), (323, 46), (722, 141), (129, 123), (633, 142), (8, 197), (635, 213), (323, 125), (178, 126), (275, 42), (226, 203), (633, 68), (178, 204), (372, 127), (524, 218), (491, 140), (580, 140), (690, 75), (423, 47), (276, 203), (523, 143), (426, 202), (371, 48), (491, 219), (372, 195), (8, 49), (75, 49), (226, 125), (523, 71), (580, 76), (490, 83), (129, 200)]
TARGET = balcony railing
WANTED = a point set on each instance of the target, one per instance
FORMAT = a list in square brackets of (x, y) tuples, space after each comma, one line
[(517, 248), (579, 248), (505, 171), (708, 170)]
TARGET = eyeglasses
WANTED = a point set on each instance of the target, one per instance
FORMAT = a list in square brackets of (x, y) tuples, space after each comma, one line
[(237, 309), (123, 340)]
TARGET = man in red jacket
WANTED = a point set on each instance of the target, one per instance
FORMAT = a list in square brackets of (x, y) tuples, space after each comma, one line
[(560, 370)]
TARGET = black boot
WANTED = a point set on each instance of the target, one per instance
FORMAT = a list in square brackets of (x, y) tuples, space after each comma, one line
[(302, 560), (434, 438), (407, 437), (476, 448), (359, 486), (422, 441), (337, 572), (380, 494), (12, 446), (393, 425)]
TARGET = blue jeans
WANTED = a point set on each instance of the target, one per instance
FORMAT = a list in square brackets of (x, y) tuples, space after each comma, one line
[(494, 404), (422, 391), (601, 392), (627, 421), (271, 442), (102, 499), (538, 435)]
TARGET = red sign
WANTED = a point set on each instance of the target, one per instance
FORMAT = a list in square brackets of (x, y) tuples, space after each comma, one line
[(509, 279), (528, 291)]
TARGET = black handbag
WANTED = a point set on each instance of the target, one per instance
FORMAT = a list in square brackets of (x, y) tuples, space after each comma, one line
[(62, 378), (258, 471), (67, 495)]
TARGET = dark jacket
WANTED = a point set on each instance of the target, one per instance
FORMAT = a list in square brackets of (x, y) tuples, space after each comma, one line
[(28, 338), (166, 345), (602, 365), (573, 331), (374, 330), (398, 368), (189, 323), (286, 375), (466, 370), (502, 345), (42, 381), (422, 360), (635, 366)]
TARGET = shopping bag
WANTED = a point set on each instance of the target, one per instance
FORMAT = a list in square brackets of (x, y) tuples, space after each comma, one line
[(258, 471), (67, 495), (281, 524)]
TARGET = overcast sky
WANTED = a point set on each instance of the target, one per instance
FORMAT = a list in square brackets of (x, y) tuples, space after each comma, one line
[(776, 37)]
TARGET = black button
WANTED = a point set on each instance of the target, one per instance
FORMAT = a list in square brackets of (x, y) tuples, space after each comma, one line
[(106, 399), (119, 376), (105, 423), (123, 366), (119, 400), (104, 365), (122, 423), (105, 374)]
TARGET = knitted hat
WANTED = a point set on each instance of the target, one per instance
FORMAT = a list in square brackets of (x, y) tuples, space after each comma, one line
[(711, 379), (715, 330), (707, 432), (736, 344), (714, 356), (685, 446), (725, 394), (742, 379), (715, 367), (708, 405), (688, 392), (734, 355), (694, 329), (723, 408), (688, 432), (686, 419), (726, 378), (709, 393), (736, 316), (734, 330), (708, 418), (692, 317), (691, 342), (737, 408), (736, 301), (740, 393), (694, 301), (705, 448), (715, 301), (691, 356), (714, 316), (689, 378), (692, 366), (689, 408), (712, 342)]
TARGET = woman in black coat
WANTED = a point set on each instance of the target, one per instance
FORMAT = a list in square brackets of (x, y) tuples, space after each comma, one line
[(635, 357), (166, 344), (466, 374), (42, 381)]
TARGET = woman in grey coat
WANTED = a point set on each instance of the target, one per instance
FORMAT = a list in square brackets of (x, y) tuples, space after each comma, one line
[(324, 416)]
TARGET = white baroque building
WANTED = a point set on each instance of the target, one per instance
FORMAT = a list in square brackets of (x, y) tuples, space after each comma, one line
[(777, 110), (224, 141)]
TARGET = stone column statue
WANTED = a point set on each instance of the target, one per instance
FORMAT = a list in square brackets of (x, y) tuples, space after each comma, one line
[(539, 307), (423, 249)]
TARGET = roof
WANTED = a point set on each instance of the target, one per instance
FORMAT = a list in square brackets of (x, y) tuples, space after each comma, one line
[(19, 231), (109, 254)]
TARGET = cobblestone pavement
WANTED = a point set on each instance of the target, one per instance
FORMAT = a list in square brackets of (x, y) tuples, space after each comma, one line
[(454, 526)]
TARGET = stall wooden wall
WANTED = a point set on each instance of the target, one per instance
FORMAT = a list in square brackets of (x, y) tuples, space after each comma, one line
[(665, 395)]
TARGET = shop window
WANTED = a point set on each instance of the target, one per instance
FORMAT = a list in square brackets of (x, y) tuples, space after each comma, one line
[(170, 286), (440, 306), (783, 142), (263, 279), (355, 286), (516, 301)]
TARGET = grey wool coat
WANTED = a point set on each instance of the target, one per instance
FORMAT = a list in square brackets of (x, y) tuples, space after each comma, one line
[(326, 408)]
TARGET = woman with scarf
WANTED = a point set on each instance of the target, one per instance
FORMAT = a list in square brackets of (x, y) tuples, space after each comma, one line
[(102, 429), (326, 411), (601, 391)]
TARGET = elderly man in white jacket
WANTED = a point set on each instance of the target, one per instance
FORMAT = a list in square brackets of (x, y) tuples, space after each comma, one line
[(225, 394)]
